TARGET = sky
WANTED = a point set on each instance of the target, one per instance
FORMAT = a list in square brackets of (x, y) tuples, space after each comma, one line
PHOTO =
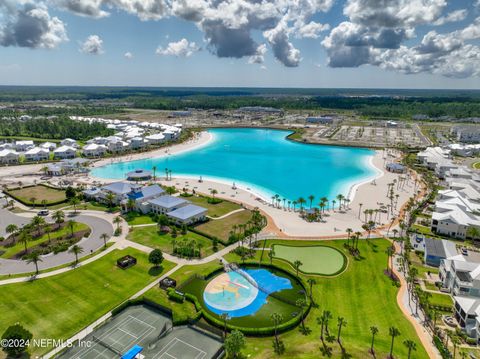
[(249, 43)]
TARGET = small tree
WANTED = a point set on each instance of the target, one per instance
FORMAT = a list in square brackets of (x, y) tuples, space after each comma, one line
[(105, 238), (297, 265), (394, 332), (70, 192), (155, 257), (374, 331), (17, 334), (234, 343), (76, 250), (34, 258), (411, 346)]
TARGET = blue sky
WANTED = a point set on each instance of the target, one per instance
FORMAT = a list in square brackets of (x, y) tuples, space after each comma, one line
[(283, 43)]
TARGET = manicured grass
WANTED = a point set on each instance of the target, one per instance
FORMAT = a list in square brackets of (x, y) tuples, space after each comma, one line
[(135, 218), (95, 206), (150, 237), (214, 210), (18, 247), (441, 299), (221, 228), (320, 260), (51, 195), (58, 307), (363, 295)]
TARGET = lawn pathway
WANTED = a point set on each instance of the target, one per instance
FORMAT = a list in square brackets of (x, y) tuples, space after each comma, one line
[(227, 214)]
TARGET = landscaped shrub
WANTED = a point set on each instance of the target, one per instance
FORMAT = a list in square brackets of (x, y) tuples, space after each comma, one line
[(444, 352), (175, 295)]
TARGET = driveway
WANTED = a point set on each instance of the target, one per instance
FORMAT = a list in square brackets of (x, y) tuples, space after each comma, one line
[(89, 244)]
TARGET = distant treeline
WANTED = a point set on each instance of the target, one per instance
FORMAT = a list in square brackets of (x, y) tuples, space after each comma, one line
[(35, 111), (58, 128), (386, 103)]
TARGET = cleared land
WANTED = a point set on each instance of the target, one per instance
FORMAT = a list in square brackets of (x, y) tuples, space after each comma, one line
[(149, 236), (58, 307), (221, 228), (320, 260), (40, 193), (214, 210)]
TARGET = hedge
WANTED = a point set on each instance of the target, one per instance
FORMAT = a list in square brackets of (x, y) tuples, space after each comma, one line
[(444, 352), (175, 296)]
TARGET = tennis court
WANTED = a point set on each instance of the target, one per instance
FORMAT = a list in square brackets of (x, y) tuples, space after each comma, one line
[(151, 330)]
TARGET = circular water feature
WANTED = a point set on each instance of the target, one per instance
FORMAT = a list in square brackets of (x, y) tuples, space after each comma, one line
[(243, 292)]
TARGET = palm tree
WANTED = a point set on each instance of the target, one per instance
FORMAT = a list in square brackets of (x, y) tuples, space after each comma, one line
[(324, 200), (33, 200), (213, 192), (301, 303), (277, 319), (301, 201), (341, 323), (76, 250), (411, 346), (340, 198), (294, 205), (117, 220), (74, 201), (333, 204), (104, 237), (47, 229), (11, 229), (154, 169), (374, 331), (271, 254), (394, 332), (131, 204), (58, 217), (349, 233), (328, 315), (38, 222), (359, 209), (311, 198), (297, 265), (224, 317), (71, 225), (322, 321), (44, 203), (110, 198), (34, 258), (24, 238)]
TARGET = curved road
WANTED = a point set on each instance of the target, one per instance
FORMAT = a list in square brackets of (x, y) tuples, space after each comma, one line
[(90, 244)]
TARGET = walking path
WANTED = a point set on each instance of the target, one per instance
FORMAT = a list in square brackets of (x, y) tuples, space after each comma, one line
[(228, 214), (409, 310)]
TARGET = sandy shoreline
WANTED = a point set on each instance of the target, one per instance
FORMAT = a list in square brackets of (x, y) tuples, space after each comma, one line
[(369, 193)]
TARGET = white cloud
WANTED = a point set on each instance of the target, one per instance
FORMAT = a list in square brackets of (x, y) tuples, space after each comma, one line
[(128, 55), (311, 30), (29, 24), (93, 45), (259, 56), (181, 48), (454, 16)]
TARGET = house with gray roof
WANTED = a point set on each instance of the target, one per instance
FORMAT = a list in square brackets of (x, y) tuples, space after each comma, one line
[(438, 249), (188, 214)]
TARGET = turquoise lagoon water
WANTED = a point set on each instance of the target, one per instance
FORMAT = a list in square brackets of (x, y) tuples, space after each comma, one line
[(241, 302), (264, 161)]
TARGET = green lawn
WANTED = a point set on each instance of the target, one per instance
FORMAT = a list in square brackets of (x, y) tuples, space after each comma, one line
[(319, 259), (221, 228), (135, 218), (150, 237), (363, 295), (58, 307), (18, 247), (51, 195), (441, 299), (94, 206), (214, 210)]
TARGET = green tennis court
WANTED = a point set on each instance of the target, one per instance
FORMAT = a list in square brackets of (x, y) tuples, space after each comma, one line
[(322, 260)]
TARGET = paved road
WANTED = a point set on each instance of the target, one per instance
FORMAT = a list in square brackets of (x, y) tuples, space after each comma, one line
[(89, 245), (7, 217)]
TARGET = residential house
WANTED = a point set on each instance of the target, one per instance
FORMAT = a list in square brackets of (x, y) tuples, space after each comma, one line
[(438, 249), (94, 150), (48, 146), (37, 154), (64, 152), (165, 204), (22, 146), (69, 142), (9, 157)]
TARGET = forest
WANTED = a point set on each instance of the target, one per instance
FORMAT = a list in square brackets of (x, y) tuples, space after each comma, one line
[(58, 128)]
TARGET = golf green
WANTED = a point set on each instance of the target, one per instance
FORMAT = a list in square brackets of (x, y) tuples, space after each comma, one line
[(322, 260)]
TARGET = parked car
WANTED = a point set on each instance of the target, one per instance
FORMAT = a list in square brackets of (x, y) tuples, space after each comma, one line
[(464, 251), (43, 212)]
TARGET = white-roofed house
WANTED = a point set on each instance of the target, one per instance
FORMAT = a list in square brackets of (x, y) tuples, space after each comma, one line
[(137, 142), (155, 139), (37, 154), (48, 146), (64, 152), (23, 146), (94, 150), (69, 142), (188, 214), (9, 157)]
